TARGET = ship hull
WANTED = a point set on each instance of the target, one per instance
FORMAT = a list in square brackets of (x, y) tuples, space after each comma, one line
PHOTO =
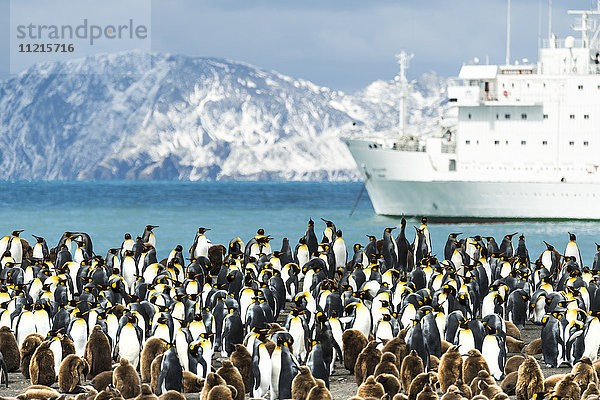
[(485, 200), (412, 183)]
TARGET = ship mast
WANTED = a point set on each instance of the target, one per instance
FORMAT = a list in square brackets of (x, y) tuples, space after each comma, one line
[(403, 59)]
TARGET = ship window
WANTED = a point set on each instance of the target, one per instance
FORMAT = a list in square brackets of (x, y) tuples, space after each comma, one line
[(586, 143), (506, 142), (452, 165), (544, 142), (523, 142), (497, 116), (506, 116), (528, 85), (467, 142), (572, 116), (523, 116), (571, 143), (469, 116), (496, 142), (512, 84), (586, 116), (545, 116), (580, 87)]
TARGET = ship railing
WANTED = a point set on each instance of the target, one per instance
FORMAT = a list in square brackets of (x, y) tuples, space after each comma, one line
[(449, 148), (412, 146), (559, 43)]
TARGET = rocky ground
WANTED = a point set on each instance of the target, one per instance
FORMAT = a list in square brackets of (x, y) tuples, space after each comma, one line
[(343, 384)]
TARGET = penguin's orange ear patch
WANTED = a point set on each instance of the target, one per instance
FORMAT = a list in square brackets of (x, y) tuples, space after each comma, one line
[(544, 320)]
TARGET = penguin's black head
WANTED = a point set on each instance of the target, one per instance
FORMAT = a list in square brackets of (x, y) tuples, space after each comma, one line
[(572, 237), (424, 220), (328, 223), (150, 227), (127, 236), (17, 233), (389, 230), (39, 239), (202, 230), (260, 231), (311, 223)]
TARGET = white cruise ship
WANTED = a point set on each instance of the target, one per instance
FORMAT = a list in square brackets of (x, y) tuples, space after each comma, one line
[(526, 142)]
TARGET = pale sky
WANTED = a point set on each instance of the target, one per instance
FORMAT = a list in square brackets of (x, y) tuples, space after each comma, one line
[(344, 44)]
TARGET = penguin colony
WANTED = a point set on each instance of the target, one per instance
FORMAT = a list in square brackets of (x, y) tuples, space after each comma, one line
[(407, 325)]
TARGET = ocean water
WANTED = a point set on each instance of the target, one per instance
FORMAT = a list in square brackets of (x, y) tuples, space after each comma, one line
[(107, 210)]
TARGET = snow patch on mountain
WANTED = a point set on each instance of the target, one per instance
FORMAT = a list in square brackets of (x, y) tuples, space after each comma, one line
[(151, 116)]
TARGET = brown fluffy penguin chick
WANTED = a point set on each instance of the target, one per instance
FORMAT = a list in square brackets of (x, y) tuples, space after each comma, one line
[(450, 368), (232, 377), (9, 349), (126, 380), (110, 393), (68, 347), (472, 365), (509, 383), (512, 330), (155, 371), (102, 380), (412, 365), (501, 396), (513, 345), (319, 392), (398, 347), (31, 342), (146, 393), (452, 393), (585, 373), (366, 362), (370, 388), (551, 381), (37, 392), (41, 367), (479, 397), (534, 348), (464, 388), (221, 392), (489, 391), (445, 346), (171, 395), (390, 383), (212, 380), (434, 363), (530, 379), (353, 342), (481, 376), (302, 383), (387, 365), (419, 382), (192, 383), (567, 387), (400, 396), (97, 352), (591, 390), (71, 373), (242, 359), (596, 365), (153, 347), (513, 363), (428, 393)]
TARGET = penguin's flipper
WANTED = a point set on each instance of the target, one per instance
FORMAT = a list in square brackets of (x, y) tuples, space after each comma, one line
[(255, 375)]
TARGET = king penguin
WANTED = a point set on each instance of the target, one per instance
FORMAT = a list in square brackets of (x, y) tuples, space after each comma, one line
[(570, 251), (148, 235)]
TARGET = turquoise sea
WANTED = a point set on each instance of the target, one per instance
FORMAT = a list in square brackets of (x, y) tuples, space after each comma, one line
[(109, 209)]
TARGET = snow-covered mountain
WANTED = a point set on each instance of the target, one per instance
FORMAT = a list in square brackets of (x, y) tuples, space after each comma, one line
[(140, 116)]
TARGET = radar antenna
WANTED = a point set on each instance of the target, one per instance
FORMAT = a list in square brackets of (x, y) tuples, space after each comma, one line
[(403, 60)]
